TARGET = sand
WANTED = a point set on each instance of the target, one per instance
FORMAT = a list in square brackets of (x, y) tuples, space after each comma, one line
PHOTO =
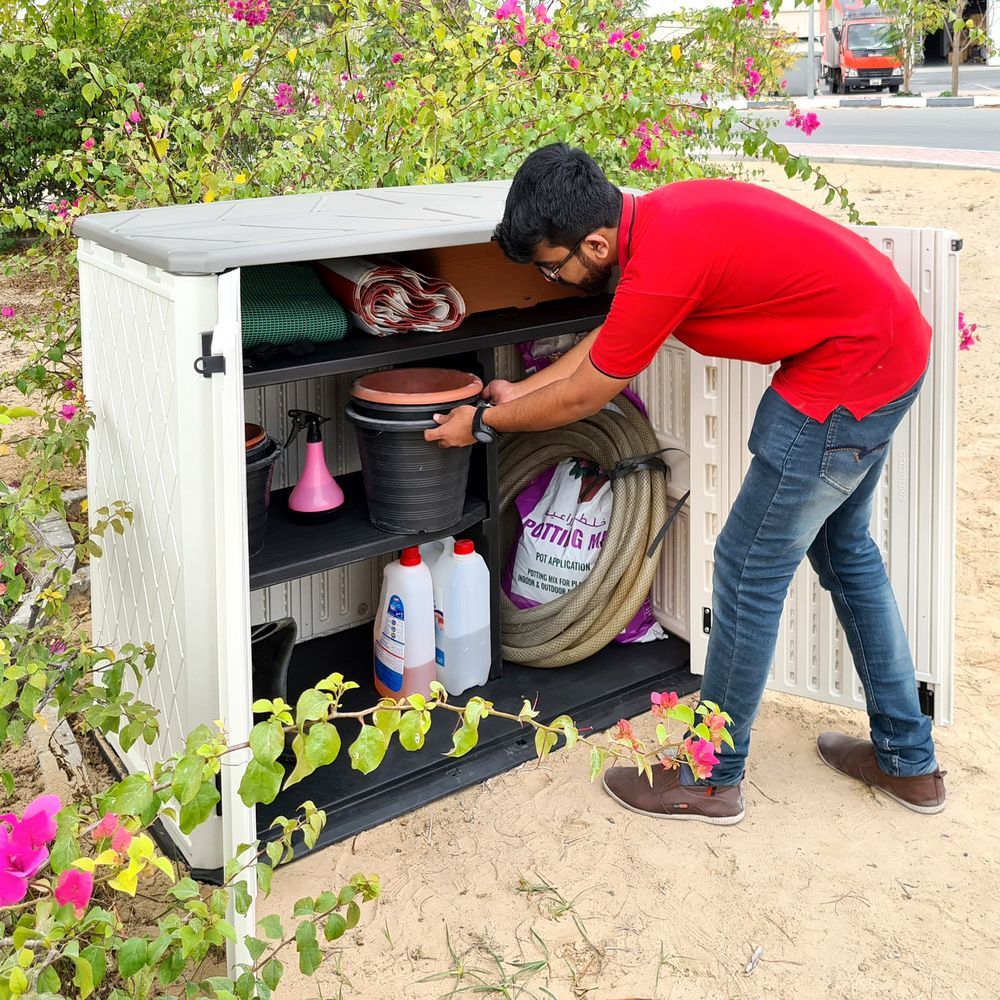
[(849, 895)]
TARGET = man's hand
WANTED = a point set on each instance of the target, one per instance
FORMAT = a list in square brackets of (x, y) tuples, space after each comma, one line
[(454, 429), (501, 391)]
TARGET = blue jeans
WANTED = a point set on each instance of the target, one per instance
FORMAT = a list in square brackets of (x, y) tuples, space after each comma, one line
[(809, 492)]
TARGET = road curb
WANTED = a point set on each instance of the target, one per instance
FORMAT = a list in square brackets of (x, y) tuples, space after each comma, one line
[(867, 161), (830, 103)]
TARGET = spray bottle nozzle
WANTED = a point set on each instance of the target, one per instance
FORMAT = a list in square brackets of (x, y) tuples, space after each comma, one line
[(306, 419)]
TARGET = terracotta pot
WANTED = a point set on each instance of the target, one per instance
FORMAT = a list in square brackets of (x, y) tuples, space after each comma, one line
[(414, 393)]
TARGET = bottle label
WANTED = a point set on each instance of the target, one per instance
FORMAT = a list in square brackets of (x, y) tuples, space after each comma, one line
[(439, 657), (391, 646)]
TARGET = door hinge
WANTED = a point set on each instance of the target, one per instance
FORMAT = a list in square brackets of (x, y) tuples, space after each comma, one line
[(957, 245), (209, 364), (925, 694), (706, 620)]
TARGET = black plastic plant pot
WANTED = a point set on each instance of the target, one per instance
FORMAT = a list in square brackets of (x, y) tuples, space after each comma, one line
[(260, 471), (413, 486)]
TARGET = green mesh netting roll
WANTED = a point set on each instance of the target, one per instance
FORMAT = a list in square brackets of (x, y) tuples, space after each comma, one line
[(285, 303)]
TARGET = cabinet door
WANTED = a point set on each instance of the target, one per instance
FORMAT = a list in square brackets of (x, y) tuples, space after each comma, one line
[(913, 520), (233, 591)]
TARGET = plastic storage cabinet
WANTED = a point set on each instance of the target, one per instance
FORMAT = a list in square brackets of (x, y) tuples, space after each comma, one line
[(166, 378)]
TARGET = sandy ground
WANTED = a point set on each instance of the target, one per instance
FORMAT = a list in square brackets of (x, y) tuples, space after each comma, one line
[(849, 895)]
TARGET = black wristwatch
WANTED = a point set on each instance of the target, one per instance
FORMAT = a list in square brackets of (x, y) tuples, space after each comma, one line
[(481, 431)]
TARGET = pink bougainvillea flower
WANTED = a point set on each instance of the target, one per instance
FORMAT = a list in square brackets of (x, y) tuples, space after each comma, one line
[(8, 312), (715, 722), (967, 333), (38, 821), (3, 589), (88, 143), (665, 700), (68, 411), (509, 8), (390, 84), (57, 646), (24, 846), (701, 757), (572, 62), (135, 118), (551, 39), (39, 113), (615, 36), (120, 840), (397, 57), (542, 15), (69, 385), (75, 887), (623, 733), (106, 827)]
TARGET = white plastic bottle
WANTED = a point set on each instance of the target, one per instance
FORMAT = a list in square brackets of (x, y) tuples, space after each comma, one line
[(462, 618), (430, 552), (404, 629)]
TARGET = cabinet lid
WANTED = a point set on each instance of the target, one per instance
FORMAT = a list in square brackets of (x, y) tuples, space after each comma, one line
[(209, 239)]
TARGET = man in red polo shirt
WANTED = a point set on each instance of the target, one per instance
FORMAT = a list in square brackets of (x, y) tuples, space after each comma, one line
[(734, 270)]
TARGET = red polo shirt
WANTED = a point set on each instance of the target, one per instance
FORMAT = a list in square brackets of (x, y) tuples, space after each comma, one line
[(734, 270)]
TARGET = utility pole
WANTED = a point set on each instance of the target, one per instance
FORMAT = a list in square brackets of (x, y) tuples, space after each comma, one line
[(811, 53)]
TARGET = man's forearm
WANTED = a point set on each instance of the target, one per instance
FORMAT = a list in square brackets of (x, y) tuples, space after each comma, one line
[(550, 406), (563, 367)]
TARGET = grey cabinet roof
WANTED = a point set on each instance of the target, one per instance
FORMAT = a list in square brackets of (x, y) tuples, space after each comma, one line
[(208, 239)]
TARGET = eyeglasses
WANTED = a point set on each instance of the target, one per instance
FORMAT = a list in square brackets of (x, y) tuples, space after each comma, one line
[(550, 272)]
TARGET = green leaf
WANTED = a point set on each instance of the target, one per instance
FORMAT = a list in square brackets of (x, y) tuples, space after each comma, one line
[(544, 742), (271, 973), (242, 900), (322, 744), (310, 957), (261, 782), (83, 980), (335, 927), (195, 812), (727, 739), (271, 927), (187, 778), (264, 875), (131, 797), (353, 915), (702, 730), (596, 762), (132, 956), (367, 750), (387, 720), (89, 92), (312, 705), (565, 723), (255, 946), (682, 713), (186, 888), (413, 728), (66, 849), (302, 767), (267, 739), (464, 739)]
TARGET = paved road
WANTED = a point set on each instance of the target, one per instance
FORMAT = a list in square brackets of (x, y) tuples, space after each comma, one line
[(936, 128), (929, 81)]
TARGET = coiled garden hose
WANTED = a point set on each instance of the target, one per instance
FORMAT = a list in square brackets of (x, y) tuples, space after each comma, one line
[(585, 619)]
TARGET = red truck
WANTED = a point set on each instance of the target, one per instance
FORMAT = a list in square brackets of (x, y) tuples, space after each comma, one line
[(859, 51)]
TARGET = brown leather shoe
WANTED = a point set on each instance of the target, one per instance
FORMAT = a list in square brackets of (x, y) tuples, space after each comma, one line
[(668, 799), (923, 793)]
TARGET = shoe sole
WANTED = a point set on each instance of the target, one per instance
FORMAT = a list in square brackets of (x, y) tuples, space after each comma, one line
[(925, 810), (696, 817)]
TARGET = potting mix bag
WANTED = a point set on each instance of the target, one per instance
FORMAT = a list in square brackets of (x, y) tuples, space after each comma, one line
[(564, 516)]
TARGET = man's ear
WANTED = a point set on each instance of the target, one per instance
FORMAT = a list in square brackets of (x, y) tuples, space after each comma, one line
[(598, 245)]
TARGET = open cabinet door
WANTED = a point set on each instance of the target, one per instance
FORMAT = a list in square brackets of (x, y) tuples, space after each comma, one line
[(913, 520), (233, 591)]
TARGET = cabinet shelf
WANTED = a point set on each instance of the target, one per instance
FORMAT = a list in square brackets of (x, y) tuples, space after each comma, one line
[(292, 549), (360, 351)]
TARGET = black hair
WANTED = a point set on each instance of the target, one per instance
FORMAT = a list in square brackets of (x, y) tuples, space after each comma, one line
[(559, 194)]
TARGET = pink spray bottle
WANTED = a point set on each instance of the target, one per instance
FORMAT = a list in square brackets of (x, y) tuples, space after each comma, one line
[(316, 497)]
